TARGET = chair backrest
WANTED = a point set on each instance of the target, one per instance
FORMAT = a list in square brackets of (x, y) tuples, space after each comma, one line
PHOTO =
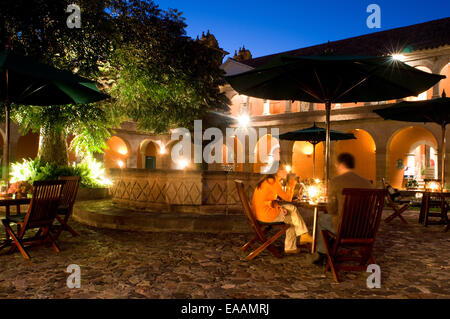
[(390, 193), (361, 213), (44, 203), (247, 208), (70, 190)]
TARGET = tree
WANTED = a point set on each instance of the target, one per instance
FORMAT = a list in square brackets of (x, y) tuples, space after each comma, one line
[(164, 79), (38, 28), (157, 75)]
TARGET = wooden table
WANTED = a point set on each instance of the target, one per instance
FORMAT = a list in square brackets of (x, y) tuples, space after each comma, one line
[(317, 208), (425, 209), (7, 202)]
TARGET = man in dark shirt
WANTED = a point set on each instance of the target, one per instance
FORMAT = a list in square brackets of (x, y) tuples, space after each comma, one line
[(346, 178)]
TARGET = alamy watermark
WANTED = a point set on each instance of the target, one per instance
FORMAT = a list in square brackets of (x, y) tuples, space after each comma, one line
[(74, 279), (374, 280), (374, 20), (74, 19)]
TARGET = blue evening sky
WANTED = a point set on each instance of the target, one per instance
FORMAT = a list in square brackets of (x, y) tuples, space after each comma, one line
[(271, 26)]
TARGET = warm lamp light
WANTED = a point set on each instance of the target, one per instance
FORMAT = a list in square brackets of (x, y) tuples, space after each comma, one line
[(308, 149), (120, 163), (317, 181), (162, 149), (313, 192), (243, 120), (398, 57), (182, 164), (433, 186), (288, 168), (123, 151)]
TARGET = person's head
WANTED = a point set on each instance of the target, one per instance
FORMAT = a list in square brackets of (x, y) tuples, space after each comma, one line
[(345, 162), (281, 173)]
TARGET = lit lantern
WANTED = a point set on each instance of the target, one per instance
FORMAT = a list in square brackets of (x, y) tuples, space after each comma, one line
[(288, 168), (123, 151), (120, 163), (243, 120), (182, 164), (433, 186)]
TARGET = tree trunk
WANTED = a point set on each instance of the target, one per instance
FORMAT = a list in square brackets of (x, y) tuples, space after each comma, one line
[(53, 147)]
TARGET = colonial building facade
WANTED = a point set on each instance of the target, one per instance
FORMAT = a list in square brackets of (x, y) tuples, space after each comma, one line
[(383, 149)]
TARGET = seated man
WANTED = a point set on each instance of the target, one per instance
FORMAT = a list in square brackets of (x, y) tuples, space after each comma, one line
[(346, 178)]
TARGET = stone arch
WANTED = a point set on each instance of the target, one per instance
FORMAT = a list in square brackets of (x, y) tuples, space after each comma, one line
[(302, 160), (363, 148), (398, 148), (117, 152), (148, 148), (444, 84), (427, 95)]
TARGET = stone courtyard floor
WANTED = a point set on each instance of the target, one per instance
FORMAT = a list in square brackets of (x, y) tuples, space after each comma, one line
[(414, 263)]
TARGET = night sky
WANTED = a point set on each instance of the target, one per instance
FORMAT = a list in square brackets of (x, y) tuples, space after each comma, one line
[(271, 26)]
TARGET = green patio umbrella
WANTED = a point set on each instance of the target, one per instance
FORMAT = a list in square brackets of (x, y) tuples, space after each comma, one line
[(333, 79), (431, 111), (315, 135), (25, 81)]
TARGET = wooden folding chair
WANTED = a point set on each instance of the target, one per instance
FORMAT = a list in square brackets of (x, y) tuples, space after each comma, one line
[(65, 208), (357, 232), (399, 208), (41, 214), (261, 229)]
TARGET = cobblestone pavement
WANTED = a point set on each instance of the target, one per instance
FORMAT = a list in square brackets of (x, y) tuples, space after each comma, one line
[(414, 263)]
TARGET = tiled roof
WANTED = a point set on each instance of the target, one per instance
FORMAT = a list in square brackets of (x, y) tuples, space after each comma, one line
[(421, 36)]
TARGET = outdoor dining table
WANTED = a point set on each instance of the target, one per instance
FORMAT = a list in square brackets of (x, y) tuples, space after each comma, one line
[(7, 202), (317, 207), (425, 209)]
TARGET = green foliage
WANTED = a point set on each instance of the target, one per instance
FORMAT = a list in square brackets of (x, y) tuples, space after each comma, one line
[(411, 183), (140, 54), (91, 172), (163, 79)]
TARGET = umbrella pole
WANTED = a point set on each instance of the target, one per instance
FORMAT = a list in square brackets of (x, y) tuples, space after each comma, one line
[(443, 156), (7, 130), (327, 141), (314, 160), (7, 141)]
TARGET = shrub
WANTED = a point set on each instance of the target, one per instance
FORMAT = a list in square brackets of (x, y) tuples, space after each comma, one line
[(91, 171)]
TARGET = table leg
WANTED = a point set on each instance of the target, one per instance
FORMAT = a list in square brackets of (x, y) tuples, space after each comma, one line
[(314, 235), (426, 209)]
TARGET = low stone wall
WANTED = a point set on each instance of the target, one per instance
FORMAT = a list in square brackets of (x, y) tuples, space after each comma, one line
[(93, 193), (184, 191)]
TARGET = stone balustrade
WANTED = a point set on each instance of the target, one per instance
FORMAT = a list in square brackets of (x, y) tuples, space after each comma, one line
[(184, 191)]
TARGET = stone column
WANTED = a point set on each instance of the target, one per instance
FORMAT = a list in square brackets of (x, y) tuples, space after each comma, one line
[(286, 151), (288, 107), (381, 167), (132, 158), (266, 110), (311, 107)]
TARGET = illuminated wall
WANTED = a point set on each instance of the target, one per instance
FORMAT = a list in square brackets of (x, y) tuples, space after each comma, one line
[(445, 83), (150, 150), (302, 160), (400, 146), (27, 146), (117, 153)]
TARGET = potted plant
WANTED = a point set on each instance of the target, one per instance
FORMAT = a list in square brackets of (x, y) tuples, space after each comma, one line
[(412, 184), (20, 189)]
